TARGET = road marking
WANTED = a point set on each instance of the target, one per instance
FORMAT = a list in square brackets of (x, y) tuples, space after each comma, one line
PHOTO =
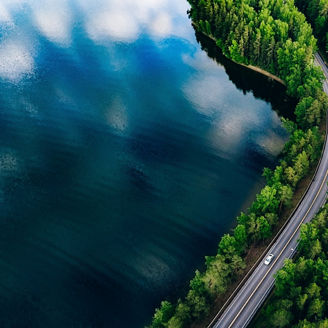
[(290, 239)]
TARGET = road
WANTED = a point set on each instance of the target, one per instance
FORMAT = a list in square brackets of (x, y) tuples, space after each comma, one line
[(245, 304)]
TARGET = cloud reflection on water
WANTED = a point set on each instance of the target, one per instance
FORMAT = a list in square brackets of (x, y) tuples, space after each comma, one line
[(53, 18), (125, 20), (108, 21), (232, 124), (16, 60), (4, 14), (103, 21)]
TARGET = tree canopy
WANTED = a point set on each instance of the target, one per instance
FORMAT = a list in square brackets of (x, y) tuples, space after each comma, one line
[(316, 12)]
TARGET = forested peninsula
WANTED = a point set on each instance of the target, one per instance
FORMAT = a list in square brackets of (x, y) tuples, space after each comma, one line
[(275, 36)]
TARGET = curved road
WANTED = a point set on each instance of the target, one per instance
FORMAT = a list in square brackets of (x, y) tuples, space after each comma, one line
[(245, 304)]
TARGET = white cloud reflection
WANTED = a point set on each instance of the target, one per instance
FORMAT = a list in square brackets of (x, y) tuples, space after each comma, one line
[(125, 20), (16, 60), (231, 130), (6, 8), (53, 18), (161, 26), (200, 62), (103, 21), (232, 118), (206, 92), (4, 14), (117, 25)]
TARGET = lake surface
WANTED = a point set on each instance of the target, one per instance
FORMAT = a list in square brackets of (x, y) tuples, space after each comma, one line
[(126, 151)]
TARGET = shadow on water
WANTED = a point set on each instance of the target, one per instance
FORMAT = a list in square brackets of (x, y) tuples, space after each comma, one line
[(248, 80)]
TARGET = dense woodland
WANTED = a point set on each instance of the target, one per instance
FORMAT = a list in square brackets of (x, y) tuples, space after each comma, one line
[(316, 11), (273, 35), (301, 293)]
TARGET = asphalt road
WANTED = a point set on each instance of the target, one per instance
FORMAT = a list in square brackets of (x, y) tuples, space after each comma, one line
[(243, 307)]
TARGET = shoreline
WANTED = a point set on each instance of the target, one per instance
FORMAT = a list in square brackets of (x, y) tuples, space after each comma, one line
[(251, 67), (204, 291)]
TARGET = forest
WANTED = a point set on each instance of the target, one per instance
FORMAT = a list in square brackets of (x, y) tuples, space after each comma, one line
[(301, 293), (301, 290), (316, 11), (275, 36)]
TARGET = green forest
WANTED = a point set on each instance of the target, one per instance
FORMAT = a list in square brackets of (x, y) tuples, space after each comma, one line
[(301, 289), (275, 36), (316, 11)]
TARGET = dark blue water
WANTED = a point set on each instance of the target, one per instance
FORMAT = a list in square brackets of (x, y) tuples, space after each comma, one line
[(125, 153)]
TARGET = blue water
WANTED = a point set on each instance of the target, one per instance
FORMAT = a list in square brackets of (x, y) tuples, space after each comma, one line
[(126, 151)]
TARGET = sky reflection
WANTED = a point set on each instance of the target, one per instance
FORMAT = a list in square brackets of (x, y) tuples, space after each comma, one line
[(102, 21), (16, 60), (125, 152), (53, 18), (110, 24)]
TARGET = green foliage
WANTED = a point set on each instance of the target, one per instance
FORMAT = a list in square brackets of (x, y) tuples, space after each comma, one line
[(309, 110), (162, 315), (317, 13), (181, 316), (227, 245), (266, 201), (280, 318), (240, 234)]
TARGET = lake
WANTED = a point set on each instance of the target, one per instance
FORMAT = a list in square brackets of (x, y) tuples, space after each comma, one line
[(127, 147)]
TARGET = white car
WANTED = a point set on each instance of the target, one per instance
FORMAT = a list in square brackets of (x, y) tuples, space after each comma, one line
[(268, 260)]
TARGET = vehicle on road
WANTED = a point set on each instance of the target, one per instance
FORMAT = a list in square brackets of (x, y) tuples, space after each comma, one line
[(268, 259)]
